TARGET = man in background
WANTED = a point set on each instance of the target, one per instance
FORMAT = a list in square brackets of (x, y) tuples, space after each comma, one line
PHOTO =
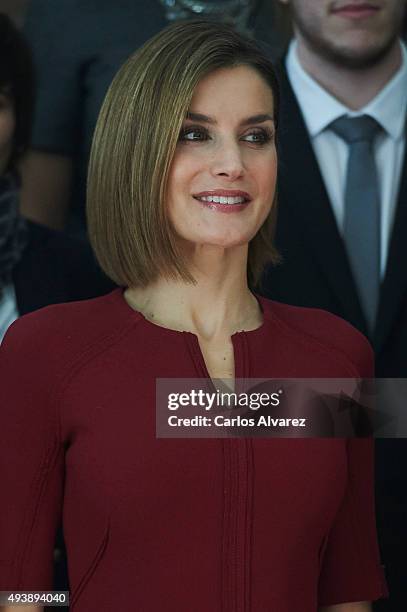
[(342, 228)]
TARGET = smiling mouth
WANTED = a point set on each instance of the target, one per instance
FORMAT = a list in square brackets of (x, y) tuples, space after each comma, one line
[(227, 197), (222, 199)]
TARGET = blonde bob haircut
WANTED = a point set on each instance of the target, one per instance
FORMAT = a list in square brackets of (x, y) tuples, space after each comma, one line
[(134, 143)]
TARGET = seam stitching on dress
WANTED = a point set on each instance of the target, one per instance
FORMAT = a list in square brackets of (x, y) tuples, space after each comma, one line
[(236, 534), (57, 390), (249, 529), (27, 524), (226, 593), (91, 568), (307, 339), (95, 349), (358, 538), (44, 473)]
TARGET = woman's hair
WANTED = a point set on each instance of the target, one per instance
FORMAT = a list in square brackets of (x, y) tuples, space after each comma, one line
[(134, 144), (17, 81)]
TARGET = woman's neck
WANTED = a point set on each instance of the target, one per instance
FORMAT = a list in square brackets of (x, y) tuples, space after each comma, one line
[(208, 309)]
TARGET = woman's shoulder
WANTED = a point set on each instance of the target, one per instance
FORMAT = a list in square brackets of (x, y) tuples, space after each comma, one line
[(60, 331), (318, 326)]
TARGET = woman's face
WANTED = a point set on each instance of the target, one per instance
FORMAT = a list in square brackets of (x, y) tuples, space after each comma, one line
[(7, 127), (223, 175)]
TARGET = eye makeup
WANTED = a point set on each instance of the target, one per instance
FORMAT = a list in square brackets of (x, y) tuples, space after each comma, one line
[(261, 136)]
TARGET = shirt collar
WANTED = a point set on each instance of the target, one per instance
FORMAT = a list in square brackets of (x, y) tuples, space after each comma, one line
[(320, 108)]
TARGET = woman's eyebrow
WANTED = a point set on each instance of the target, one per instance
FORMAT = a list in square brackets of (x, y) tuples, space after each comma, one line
[(199, 117), (260, 118)]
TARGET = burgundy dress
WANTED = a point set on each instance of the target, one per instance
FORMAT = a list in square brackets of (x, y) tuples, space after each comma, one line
[(152, 524)]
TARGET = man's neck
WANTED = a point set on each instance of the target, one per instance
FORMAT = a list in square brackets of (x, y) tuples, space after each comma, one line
[(353, 88)]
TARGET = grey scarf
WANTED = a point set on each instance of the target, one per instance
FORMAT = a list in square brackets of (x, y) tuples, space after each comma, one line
[(13, 231)]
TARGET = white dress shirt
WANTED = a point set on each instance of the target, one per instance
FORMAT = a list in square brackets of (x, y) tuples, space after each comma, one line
[(8, 309), (389, 108)]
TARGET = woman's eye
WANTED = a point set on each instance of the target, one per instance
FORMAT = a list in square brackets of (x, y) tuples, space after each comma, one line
[(193, 135), (258, 137)]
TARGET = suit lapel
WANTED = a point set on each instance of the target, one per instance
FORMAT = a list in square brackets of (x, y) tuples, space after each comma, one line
[(394, 287), (305, 196)]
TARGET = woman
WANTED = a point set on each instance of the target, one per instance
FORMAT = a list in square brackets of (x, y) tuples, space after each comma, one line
[(181, 209)]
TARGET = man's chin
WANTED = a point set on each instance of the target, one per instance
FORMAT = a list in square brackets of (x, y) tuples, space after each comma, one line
[(355, 56)]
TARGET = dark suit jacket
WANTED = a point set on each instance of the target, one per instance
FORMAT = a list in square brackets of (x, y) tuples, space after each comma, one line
[(56, 268), (316, 272)]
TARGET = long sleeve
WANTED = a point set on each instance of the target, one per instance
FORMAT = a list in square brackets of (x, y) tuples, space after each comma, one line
[(31, 462)]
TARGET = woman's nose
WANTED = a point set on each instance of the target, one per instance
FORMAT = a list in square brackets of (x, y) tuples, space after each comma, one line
[(228, 162)]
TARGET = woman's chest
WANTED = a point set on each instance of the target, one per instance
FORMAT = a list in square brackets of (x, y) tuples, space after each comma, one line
[(218, 358), (114, 456), (108, 423)]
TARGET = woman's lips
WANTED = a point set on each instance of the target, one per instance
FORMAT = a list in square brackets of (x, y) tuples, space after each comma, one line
[(223, 200), (356, 11), (222, 193)]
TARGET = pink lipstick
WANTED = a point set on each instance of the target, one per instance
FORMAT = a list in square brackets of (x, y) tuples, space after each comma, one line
[(224, 200)]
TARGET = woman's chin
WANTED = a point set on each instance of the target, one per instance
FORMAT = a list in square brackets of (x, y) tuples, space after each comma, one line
[(222, 242), (225, 239)]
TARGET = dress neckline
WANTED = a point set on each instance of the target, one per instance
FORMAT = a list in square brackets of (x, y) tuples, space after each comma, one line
[(129, 311)]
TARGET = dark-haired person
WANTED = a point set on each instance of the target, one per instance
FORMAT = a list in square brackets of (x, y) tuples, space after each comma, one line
[(342, 231), (37, 266), (181, 208)]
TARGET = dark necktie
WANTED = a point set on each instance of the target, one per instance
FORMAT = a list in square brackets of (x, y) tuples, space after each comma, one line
[(362, 209)]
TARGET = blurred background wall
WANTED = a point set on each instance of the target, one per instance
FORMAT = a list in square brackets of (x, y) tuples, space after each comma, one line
[(16, 9)]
